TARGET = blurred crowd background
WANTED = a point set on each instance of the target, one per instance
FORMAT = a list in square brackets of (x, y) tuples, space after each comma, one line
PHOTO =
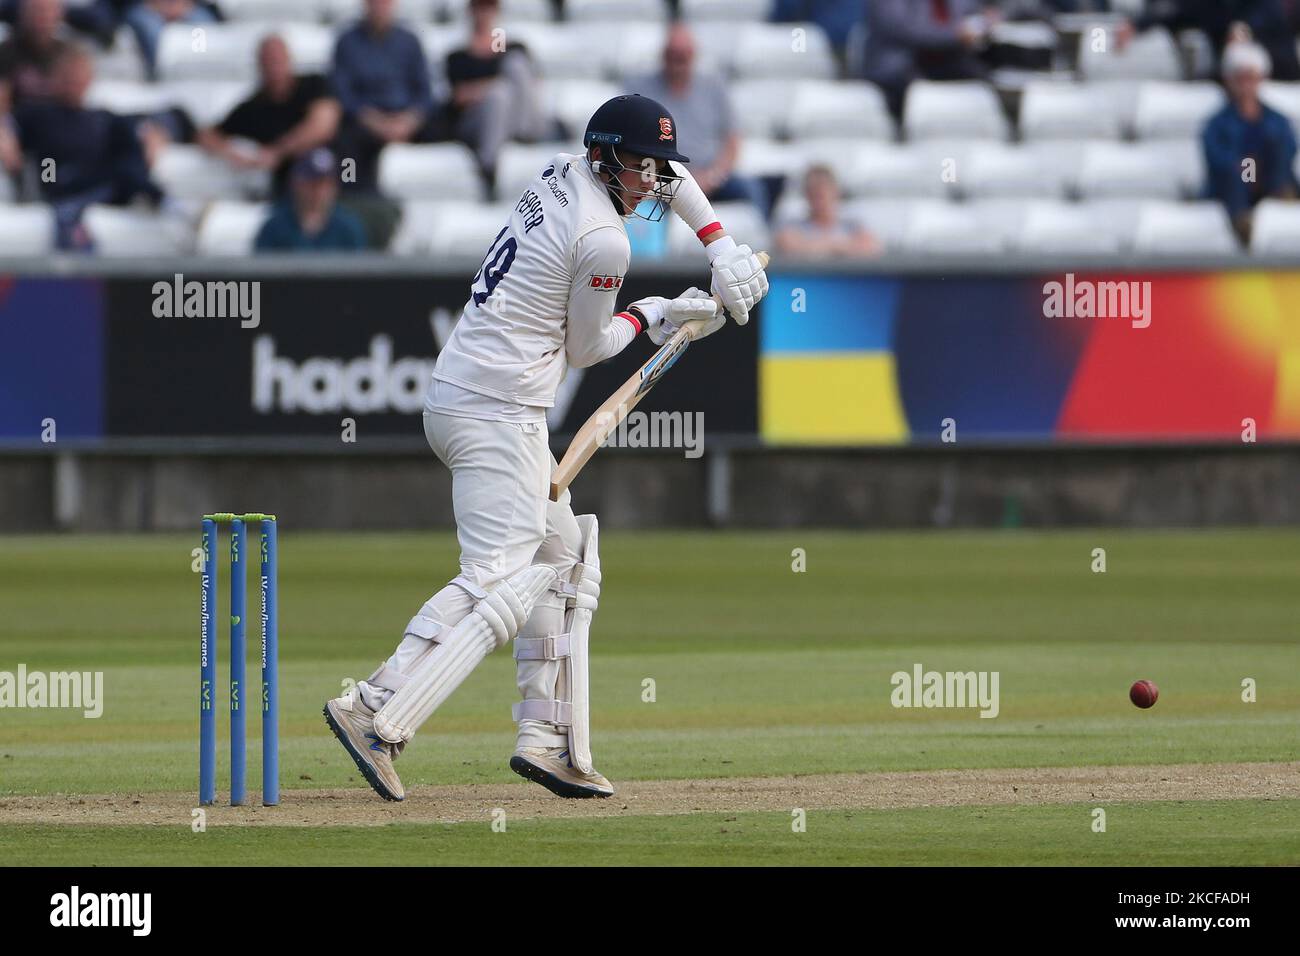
[(823, 128)]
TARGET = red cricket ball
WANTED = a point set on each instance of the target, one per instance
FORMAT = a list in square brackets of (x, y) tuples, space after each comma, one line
[(1144, 694)]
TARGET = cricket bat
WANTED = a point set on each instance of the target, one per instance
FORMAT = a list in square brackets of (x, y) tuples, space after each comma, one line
[(615, 409)]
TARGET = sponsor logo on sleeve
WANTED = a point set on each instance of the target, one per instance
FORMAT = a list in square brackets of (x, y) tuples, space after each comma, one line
[(606, 282)]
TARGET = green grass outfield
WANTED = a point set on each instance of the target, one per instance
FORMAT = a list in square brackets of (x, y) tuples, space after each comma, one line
[(757, 671)]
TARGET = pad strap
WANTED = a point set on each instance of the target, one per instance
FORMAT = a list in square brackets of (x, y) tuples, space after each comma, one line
[(558, 712), (552, 648)]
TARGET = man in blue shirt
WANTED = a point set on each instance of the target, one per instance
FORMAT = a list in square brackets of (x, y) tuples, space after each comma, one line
[(1250, 149), (382, 80), (311, 220)]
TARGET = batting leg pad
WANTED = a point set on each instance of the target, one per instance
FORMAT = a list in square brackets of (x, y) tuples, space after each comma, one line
[(495, 620), (553, 664)]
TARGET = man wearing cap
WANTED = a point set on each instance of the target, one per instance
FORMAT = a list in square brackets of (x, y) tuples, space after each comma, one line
[(1250, 148), (310, 220), (544, 299)]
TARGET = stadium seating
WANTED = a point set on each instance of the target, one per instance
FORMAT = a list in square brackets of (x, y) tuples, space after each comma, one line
[(519, 165), (229, 227), (189, 172), (942, 228), (796, 50), (128, 232), (1068, 110), (1157, 170), (461, 229), (1285, 98), (951, 110), (1276, 229), (1176, 110), (1151, 55), (885, 218), (741, 219), (586, 11), (1184, 229), (731, 11), (274, 11), (917, 170), (1001, 170), (429, 171), (1058, 228), (825, 108), (26, 230)]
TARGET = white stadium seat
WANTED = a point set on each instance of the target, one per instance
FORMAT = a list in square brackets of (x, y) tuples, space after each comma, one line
[(311, 46), (740, 218), (273, 11), (519, 165), (1184, 229), (1059, 228), (945, 228), (429, 171), (795, 50), (129, 232), (565, 51), (26, 229), (915, 170), (512, 11), (217, 51), (999, 169), (733, 11), (437, 40), (1003, 217), (1283, 97), (208, 101), (764, 157), (884, 218), (762, 108), (964, 109), (129, 97), (1156, 170), (466, 230), (1176, 110), (1152, 55), (586, 11), (1072, 111), (412, 12), (229, 228), (827, 108), (188, 172), (1276, 229), (634, 49), (123, 61), (574, 101)]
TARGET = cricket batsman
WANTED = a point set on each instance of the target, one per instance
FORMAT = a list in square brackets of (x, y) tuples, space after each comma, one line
[(543, 300)]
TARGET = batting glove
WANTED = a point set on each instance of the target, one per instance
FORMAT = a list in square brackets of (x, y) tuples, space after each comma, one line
[(738, 278), (663, 317)]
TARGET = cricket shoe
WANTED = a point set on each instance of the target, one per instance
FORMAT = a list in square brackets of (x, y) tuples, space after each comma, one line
[(552, 768), (353, 724)]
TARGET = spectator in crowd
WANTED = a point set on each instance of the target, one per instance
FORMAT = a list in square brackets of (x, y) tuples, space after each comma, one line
[(1250, 149), (287, 116), (84, 156), (706, 125), (825, 232), (28, 55), (935, 40), (98, 19), (1269, 22), (837, 18), (382, 80), (11, 152), (148, 18), (310, 219), (495, 90)]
